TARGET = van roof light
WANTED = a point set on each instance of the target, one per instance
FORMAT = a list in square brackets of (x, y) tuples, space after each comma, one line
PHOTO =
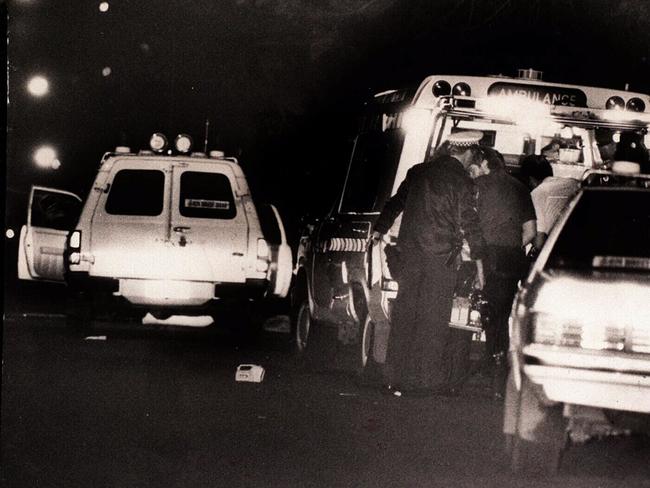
[(158, 142), (217, 154), (145, 152), (183, 143), (122, 150), (197, 154)]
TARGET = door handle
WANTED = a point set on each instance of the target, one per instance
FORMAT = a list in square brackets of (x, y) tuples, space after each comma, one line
[(181, 228)]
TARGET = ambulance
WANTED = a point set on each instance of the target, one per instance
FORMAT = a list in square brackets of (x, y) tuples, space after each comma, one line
[(343, 292), (163, 230)]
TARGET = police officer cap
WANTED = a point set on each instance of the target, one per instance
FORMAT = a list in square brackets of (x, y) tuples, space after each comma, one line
[(465, 138)]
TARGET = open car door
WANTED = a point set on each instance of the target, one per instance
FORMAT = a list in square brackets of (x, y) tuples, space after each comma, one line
[(50, 216), (281, 266)]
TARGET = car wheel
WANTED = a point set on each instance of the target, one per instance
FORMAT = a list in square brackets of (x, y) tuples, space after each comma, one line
[(540, 438)]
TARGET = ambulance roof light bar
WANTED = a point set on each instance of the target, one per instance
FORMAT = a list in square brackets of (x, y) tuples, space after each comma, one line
[(530, 74)]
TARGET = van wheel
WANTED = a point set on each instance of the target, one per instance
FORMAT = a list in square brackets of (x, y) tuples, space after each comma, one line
[(540, 438)]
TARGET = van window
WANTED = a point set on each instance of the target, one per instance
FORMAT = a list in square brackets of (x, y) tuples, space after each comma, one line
[(206, 195), (136, 192)]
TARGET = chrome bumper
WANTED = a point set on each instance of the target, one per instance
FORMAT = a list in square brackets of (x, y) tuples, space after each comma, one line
[(600, 379)]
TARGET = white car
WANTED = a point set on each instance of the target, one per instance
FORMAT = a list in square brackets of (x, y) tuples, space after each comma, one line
[(580, 337), (169, 233)]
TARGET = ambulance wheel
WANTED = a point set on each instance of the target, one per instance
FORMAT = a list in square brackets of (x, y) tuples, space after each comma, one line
[(301, 328), (366, 342), (314, 342), (299, 316), (540, 438)]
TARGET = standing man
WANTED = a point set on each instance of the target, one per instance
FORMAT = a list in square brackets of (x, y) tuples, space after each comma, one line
[(508, 222), (550, 193), (438, 202)]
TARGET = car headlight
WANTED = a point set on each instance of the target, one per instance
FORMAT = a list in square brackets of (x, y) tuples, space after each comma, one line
[(555, 330)]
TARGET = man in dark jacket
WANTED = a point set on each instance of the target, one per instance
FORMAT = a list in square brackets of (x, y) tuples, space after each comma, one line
[(508, 221), (437, 200)]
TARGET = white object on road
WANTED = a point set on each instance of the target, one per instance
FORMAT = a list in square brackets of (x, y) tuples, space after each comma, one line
[(184, 320), (249, 372), (96, 338)]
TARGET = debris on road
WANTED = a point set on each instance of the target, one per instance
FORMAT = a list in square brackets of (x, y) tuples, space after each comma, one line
[(180, 320), (96, 338), (249, 372)]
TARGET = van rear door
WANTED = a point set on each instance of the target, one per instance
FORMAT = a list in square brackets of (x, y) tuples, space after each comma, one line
[(50, 216), (130, 222), (209, 226)]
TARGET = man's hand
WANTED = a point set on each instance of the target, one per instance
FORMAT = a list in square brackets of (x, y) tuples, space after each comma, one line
[(375, 237)]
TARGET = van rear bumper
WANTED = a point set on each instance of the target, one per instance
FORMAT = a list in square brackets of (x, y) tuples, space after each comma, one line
[(163, 293), (169, 293)]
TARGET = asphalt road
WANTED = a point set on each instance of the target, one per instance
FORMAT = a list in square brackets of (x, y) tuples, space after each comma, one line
[(159, 407)]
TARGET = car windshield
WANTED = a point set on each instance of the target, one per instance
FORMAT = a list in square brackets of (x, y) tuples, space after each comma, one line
[(607, 226)]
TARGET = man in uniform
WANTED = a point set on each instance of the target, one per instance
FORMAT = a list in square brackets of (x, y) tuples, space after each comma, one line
[(437, 200), (508, 222)]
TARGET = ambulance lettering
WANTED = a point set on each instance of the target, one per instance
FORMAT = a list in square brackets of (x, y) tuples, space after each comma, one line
[(556, 96)]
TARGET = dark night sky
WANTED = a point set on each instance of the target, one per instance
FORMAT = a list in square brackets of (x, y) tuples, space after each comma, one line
[(279, 80)]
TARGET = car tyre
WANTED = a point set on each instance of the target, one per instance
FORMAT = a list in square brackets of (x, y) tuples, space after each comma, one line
[(541, 438)]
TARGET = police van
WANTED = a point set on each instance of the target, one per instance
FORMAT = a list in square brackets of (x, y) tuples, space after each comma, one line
[(343, 292), (168, 233)]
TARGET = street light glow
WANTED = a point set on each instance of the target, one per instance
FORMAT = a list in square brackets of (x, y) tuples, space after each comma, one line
[(106, 71), (38, 86), (45, 157), (103, 7)]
